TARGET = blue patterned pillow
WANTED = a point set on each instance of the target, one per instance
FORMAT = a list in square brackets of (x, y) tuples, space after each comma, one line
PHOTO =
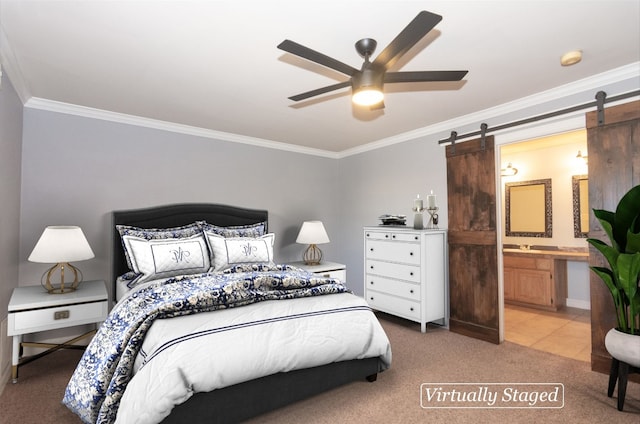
[(155, 234), (251, 230)]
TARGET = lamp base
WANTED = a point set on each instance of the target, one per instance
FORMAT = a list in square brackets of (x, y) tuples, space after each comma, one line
[(64, 287), (313, 255)]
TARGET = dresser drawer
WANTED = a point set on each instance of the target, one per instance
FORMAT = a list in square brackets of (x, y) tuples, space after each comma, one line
[(396, 271), (23, 322), (394, 305), (392, 236), (393, 252), (394, 287)]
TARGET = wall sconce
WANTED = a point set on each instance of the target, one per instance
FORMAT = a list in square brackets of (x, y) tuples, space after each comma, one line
[(585, 158), (509, 171), (312, 233), (60, 245)]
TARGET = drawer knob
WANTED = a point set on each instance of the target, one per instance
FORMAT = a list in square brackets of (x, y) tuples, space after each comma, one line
[(372, 283), (415, 237), (411, 273), (393, 236), (386, 236), (410, 291), (410, 253), (371, 297), (411, 309), (371, 267), (371, 249)]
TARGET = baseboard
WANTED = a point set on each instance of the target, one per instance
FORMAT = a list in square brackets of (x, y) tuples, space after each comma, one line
[(579, 304)]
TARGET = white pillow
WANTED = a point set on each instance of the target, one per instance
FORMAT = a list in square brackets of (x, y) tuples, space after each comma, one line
[(229, 251), (162, 258)]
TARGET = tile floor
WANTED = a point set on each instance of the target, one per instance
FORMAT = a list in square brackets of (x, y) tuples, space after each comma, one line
[(564, 333)]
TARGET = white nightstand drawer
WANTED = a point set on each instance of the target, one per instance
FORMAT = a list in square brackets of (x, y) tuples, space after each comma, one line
[(59, 317), (340, 274), (394, 305), (394, 287)]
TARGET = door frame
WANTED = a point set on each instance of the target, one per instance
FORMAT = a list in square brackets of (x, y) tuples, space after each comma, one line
[(565, 123)]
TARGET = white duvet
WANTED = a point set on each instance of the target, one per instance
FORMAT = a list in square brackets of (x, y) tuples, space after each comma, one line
[(212, 350)]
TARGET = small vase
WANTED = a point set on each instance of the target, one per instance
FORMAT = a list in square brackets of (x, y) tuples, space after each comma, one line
[(623, 346)]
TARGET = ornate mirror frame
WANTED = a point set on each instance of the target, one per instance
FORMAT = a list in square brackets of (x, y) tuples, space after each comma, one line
[(528, 209), (580, 189)]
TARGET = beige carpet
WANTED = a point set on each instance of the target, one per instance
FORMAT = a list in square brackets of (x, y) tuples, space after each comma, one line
[(436, 357)]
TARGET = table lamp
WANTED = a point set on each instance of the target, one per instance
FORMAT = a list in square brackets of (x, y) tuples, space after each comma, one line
[(312, 233), (60, 245)]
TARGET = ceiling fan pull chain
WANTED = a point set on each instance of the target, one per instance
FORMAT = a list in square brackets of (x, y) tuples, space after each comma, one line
[(483, 135)]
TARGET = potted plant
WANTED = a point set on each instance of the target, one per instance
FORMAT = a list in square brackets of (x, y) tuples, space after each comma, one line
[(623, 256), (622, 278)]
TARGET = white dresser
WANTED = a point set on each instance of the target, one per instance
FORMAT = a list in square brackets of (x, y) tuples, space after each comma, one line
[(406, 273)]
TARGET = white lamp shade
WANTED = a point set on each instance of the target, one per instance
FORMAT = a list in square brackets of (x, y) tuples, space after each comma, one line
[(61, 244), (312, 232)]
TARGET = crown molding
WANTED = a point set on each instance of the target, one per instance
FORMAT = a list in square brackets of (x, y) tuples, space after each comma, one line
[(580, 91), (122, 118), (9, 64)]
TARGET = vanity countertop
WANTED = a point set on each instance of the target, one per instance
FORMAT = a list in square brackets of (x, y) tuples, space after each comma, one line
[(569, 255)]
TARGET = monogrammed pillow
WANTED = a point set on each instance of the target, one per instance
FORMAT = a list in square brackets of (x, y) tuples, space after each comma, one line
[(163, 258), (229, 251)]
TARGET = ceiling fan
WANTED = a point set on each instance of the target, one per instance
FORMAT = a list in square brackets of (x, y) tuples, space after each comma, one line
[(368, 81)]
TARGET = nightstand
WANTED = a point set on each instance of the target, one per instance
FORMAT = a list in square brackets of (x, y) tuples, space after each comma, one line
[(325, 269), (32, 309)]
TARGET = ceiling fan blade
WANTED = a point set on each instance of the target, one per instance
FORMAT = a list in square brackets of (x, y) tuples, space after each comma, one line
[(420, 76), (319, 91), (410, 35), (314, 56)]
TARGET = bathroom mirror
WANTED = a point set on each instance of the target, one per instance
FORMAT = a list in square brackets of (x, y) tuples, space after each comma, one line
[(528, 208), (580, 190)]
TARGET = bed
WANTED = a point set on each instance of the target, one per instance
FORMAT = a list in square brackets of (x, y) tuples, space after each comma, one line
[(302, 334)]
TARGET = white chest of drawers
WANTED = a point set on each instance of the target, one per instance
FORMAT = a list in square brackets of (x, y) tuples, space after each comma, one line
[(406, 273)]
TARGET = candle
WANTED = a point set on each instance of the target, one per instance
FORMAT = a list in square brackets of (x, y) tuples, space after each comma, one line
[(418, 204), (431, 200)]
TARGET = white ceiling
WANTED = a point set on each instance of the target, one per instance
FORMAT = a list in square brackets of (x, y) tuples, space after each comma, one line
[(214, 64)]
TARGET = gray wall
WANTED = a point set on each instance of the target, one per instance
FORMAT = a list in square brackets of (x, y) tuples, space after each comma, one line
[(386, 181), (10, 163), (77, 170)]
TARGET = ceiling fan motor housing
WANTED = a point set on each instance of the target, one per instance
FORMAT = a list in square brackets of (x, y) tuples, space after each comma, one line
[(368, 77)]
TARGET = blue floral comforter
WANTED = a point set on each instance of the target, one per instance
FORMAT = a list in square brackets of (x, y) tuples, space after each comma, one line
[(99, 381)]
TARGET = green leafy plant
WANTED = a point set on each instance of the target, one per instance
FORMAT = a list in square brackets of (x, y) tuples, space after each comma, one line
[(623, 256)]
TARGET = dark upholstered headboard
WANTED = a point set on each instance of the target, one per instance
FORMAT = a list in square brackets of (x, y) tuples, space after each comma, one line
[(167, 216)]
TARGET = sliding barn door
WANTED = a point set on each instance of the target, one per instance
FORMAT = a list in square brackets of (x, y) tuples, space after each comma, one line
[(614, 167), (473, 262)]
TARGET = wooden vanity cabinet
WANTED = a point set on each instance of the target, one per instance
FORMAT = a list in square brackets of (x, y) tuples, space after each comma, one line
[(535, 281)]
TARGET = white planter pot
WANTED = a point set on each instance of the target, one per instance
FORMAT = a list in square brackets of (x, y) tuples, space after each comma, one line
[(624, 347)]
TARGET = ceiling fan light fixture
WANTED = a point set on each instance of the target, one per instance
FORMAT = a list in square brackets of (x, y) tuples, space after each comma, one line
[(367, 96)]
